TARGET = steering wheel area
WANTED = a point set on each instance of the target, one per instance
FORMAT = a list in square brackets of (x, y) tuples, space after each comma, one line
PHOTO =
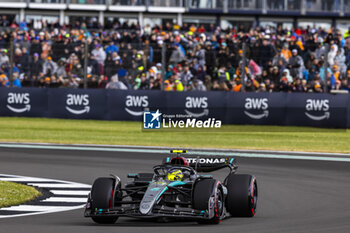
[(164, 170)]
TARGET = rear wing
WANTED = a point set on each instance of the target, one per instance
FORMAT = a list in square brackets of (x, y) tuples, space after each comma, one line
[(204, 163)]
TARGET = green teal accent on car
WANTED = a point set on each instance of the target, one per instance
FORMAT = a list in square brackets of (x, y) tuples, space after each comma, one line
[(232, 160), (155, 189), (172, 184), (132, 174), (176, 183)]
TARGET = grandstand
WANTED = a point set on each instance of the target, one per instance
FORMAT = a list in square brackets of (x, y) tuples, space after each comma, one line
[(231, 45), (249, 13)]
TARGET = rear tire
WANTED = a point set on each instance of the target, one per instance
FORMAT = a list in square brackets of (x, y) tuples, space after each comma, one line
[(242, 195), (101, 198), (202, 192)]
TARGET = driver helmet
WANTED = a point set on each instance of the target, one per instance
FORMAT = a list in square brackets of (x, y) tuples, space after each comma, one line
[(175, 175)]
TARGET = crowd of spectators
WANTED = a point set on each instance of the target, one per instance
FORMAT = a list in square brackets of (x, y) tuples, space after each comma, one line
[(202, 58)]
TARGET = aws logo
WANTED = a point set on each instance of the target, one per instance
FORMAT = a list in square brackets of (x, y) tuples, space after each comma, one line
[(133, 101), (316, 105), (75, 101), (20, 100), (256, 104), (197, 103)]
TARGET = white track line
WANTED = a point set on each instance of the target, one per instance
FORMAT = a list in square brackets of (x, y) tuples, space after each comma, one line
[(25, 179), (50, 185), (20, 144), (34, 178), (70, 192), (66, 199), (36, 208), (47, 208), (43, 212), (265, 154)]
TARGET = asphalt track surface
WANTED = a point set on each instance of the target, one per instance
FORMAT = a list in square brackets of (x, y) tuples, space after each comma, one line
[(294, 195)]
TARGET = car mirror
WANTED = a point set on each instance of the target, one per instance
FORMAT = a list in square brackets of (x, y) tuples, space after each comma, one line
[(205, 176), (133, 175)]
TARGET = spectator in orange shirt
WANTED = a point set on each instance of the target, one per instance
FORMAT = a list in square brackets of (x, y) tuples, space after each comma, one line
[(286, 53), (336, 72), (238, 86), (168, 86)]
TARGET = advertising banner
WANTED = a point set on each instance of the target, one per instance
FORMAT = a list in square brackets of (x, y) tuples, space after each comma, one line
[(256, 108), (77, 103), (197, 104), (319, 110), (26, 102), (295, 109), (130, 105)]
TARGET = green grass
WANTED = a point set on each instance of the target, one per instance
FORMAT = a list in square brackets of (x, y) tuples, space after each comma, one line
[(130, 133), (15, 194)]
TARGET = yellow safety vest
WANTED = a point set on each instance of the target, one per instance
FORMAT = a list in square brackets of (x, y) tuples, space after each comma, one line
[(179, 86), (227, 75)]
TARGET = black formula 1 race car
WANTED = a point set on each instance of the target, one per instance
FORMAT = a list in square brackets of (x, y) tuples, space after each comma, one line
[(176, 190)]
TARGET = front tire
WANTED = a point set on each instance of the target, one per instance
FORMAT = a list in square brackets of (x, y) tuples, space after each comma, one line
[(101, 198), (203, 191), (242, 195)]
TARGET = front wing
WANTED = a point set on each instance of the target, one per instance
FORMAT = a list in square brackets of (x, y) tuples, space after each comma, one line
[(157, 211)]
